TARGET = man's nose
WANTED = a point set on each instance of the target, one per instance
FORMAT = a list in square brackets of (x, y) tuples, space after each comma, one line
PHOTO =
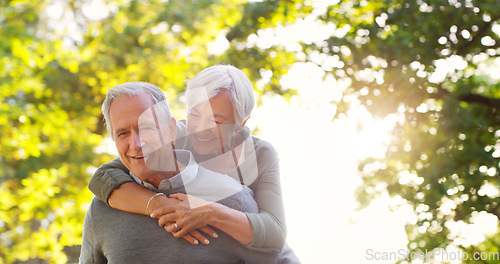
[(136, 143)]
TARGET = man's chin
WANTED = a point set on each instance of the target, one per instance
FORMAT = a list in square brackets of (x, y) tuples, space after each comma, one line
[(136, 162), (138, 167), (164, 166), (142, 173), (161, 159)]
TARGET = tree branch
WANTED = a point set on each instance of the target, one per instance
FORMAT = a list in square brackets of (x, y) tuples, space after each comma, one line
[(468, 98), (476, 98), (441, 92), (477, 37)]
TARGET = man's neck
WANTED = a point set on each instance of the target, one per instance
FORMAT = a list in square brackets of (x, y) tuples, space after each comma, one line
[(162, 175), (155, 180)]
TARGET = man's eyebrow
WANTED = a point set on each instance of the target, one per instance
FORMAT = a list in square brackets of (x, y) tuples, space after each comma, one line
[(150, 123), (146, 123), (119, 130)]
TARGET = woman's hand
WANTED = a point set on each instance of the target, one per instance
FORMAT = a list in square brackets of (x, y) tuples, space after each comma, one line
[(189, 214), (195, 236), (185, 218)]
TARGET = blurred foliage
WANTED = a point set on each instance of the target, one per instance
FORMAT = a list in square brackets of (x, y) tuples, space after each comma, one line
[(57, 60), (434, 66), (424, 62)]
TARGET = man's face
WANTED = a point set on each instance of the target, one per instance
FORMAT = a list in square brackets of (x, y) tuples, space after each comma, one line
[(135, 133)]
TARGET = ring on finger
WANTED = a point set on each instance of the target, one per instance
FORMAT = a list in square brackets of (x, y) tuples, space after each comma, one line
[(176, 226)]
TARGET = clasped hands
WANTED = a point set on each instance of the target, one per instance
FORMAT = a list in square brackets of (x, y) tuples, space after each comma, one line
[(185, 216)]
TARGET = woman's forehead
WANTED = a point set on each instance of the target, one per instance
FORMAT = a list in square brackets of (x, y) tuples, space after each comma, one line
[(219, 105)]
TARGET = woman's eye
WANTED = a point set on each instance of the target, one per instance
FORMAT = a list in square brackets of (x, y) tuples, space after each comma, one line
[(212, 121)]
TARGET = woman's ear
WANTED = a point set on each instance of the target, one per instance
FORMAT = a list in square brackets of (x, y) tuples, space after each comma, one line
[(245, 121), (172, 126)]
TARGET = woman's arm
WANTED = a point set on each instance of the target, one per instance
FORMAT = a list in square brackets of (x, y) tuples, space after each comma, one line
[(188, 217), (133, 198), (262, 230), (232, 222), (107, 178), (268, 226), (112, 185)]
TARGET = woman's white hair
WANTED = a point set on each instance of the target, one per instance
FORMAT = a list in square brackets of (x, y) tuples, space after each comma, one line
[(132, 89), (218, 78)]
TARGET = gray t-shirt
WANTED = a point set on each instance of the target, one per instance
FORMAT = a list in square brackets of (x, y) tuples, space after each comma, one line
[(114, 236)]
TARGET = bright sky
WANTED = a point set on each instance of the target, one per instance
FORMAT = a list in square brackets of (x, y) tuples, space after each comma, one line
[(319, 175), (319, 156)]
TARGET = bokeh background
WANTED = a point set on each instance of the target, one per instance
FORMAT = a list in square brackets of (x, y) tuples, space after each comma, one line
[(385, 114)]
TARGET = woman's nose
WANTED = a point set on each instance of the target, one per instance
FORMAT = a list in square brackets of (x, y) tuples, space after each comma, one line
[(204, 125)]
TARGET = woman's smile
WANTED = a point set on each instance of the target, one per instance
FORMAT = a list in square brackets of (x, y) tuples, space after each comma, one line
[(203, 139), (210, 125)]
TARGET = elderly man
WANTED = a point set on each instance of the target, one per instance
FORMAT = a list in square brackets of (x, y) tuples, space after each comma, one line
[(139, 121)]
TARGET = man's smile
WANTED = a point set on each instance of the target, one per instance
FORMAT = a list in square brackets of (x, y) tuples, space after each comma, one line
[(142, 156)]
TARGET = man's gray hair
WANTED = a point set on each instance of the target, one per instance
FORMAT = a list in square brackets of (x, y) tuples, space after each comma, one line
[(132, 89), (213, 80)]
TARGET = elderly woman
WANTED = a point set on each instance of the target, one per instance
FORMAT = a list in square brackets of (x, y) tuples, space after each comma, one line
[(219, 100)]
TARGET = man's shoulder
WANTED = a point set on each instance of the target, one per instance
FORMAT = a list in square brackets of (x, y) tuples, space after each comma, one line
[(97, 211), (96, 205)]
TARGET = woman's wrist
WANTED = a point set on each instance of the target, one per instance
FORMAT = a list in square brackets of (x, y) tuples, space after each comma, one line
[(232, 222), (158, 202), (215, 214), (150, 200)]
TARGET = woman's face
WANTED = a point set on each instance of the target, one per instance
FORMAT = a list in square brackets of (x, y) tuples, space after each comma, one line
[(211, 125)]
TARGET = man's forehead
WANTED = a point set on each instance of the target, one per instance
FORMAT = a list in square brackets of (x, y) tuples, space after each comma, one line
[(129, 108), (131, 103)]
